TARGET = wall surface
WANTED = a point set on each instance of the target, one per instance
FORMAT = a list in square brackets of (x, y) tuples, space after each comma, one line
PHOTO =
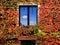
[(49, 15), (48, 21)]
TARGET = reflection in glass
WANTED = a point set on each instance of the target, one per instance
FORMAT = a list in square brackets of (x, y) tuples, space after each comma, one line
[(23, 16), (32, 16)]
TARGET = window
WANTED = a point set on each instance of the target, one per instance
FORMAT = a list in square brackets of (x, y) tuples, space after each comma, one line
[(27, 15), (28, 42)]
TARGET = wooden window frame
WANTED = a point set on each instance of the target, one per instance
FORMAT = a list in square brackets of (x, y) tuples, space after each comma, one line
[(28, 22)]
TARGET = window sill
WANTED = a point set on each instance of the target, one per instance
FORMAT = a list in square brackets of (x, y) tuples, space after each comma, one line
[(27, 38)]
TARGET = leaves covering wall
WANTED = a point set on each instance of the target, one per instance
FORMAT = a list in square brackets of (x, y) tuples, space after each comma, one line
[(49, 21)]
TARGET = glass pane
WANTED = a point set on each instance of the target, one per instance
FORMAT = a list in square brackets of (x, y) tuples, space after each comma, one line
[(23, 16), (33, 11)]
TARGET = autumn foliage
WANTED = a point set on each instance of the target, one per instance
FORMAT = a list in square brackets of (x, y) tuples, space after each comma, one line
[(49, 22), (49, 15)]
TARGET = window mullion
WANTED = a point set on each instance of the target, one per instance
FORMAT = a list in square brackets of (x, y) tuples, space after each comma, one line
[(28, 16)]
